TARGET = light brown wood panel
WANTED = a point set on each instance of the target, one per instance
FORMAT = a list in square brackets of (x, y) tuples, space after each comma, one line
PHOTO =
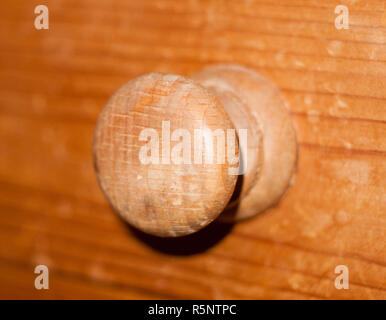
[(53, 84)]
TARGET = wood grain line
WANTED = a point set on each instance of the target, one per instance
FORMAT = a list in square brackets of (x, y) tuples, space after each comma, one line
[(236, 233)]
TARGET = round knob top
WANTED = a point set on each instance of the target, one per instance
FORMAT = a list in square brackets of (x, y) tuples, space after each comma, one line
[(155, 157)]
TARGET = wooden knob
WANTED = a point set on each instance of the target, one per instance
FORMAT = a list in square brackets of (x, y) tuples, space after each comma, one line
[(172, 153)]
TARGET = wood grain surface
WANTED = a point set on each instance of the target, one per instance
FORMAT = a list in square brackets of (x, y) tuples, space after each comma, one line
[(147, 186), (54, 83)]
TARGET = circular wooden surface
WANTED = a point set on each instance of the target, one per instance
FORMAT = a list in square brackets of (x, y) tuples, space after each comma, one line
[(163, 199)]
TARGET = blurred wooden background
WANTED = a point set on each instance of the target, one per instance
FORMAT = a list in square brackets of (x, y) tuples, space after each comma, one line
[(53, 84)]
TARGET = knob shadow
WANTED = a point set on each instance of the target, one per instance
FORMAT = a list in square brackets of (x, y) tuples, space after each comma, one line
[(195, 243)]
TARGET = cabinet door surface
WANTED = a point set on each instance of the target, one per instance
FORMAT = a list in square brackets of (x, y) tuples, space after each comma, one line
[(55, 82)]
